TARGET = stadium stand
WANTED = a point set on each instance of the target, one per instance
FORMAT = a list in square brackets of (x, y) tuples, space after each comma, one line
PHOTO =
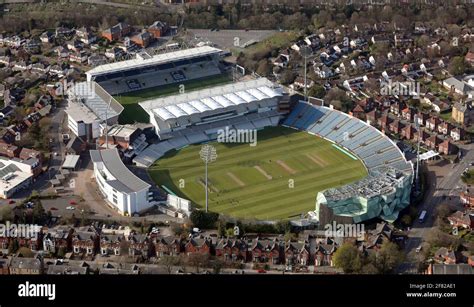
[(383, 193), (162, 69)]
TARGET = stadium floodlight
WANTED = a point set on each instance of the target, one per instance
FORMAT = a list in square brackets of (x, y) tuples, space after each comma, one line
[(417, 125), (305, 52), (208, 154)]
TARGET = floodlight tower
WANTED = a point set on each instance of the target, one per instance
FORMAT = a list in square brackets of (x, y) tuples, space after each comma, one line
[(305, 52), (208, 154), (417, 125)]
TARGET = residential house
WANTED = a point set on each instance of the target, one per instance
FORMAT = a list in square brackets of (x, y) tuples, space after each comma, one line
[(47, 37), (457, 86), (433, 142), (266, 251), (297, 253), (448, 148), (444, 255), (457, 134), (232, 250), (139, 245), (422, 118), (324, 254), (26, 266), (461, 219), (432, 123), (358, 112), (462, 113), (408, 114), (142, 39), (408, 132), (384, 122), (169, 246), (78, 57), (117, 32), (58, 238), (158, 29), (9, 151), (396, 127), (26, 153), (111, 244), (198, 245), (445, 128), (85, 243), (86, 36)]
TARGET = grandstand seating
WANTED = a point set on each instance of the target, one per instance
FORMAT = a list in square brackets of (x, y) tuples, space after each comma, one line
[(369, 144)]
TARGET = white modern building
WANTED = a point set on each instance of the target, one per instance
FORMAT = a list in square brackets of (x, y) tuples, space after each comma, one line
[(120, 187), (15, 175), (89, 108)]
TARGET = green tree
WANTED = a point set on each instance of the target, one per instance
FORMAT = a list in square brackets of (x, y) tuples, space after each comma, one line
[(348, 258), (317, 91), (457, 66), (388, 258), (203, 219)]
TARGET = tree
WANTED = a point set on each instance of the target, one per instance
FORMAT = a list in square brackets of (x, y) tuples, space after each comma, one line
[(204, 219), (317, 91), (406, 219), (264, 68), (388, 257), (169, 261), (198, 260), (457, 66), (287, 77), (348, 258)]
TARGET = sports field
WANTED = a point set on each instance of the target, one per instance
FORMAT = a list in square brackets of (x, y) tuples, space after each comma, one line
[(277, 179), (134, 113)]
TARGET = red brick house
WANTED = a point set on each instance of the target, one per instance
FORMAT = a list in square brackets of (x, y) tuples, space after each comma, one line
[(422, 118), (421, 135), (384, 122), (433, 123), (461, 219), (444, 255), (85, 243), (358, 112), (408, 132), (408, 114), (324, 254), (117, 32), (198, 245), (111, 244), (448, 148), (297, 253), (27, 153), (266, 251), (445, 128), (142, 39), (9, 151), (158, 29), (396, 127), (433, 142), (372, 117), (232, 250), (167, 246), (397, 107), (139, 245)]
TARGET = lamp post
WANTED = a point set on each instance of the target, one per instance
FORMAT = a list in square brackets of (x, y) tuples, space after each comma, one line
[(208, 154), (305, 52)]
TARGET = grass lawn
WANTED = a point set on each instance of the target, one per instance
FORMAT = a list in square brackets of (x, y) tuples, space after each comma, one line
[(253, 182), (134, 113), (276, 41), (446, 116)]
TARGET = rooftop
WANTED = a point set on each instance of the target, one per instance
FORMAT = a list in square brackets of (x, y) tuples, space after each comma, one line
[(212, 98), (157, 59), (124, 180)]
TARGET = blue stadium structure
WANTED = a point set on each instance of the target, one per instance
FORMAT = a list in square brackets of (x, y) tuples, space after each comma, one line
[(386, 190)]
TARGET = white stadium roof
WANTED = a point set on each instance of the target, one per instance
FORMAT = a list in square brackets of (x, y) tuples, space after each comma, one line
[(212, 98), (89, 102), (155, 60)]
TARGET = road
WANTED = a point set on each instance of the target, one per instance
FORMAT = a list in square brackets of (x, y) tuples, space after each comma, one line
[(438, 191)]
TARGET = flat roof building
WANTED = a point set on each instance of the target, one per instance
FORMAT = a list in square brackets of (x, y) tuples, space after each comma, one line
[(120, 187), (15, 175)]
